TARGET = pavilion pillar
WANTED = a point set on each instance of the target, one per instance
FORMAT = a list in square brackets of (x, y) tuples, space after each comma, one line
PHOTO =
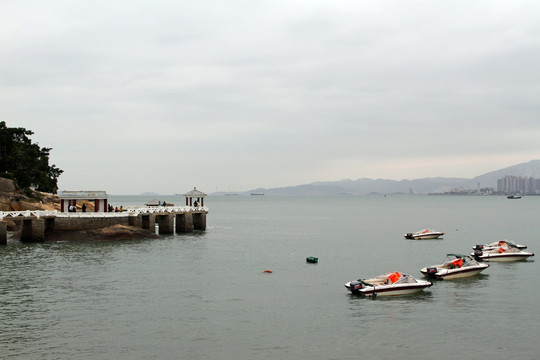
[(3, 232), (62, 206)]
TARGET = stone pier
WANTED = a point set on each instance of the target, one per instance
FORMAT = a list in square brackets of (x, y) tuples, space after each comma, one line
[(165, 223), (36, 225), (184, 223), (147, 221), (199, 221), (33, 230), (3, 233)]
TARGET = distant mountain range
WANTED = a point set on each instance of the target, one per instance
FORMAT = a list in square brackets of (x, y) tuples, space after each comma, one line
[(383, 186)]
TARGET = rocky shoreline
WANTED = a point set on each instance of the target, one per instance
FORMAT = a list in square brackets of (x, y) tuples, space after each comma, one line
[(13, 199)]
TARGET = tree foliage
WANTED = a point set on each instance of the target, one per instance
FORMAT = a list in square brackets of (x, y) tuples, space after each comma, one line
[(27, 162)]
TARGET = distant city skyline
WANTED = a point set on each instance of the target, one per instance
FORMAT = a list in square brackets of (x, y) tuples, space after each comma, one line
[(225, 96), (517, 184)]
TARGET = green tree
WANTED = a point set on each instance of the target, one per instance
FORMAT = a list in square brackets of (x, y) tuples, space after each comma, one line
[(27, 162)]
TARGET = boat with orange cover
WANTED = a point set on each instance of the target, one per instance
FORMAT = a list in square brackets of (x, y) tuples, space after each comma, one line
[(501, 253), (394, 283), (424, 234), (455, 266), (496, 244)]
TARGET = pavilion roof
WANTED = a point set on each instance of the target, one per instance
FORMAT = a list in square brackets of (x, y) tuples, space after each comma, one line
[(195, 193), (83, 195)]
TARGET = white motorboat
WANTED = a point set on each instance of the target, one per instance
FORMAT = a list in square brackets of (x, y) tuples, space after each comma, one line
[(395, 283), (502, 253), (496, 244), (424, 234), (455, 266)]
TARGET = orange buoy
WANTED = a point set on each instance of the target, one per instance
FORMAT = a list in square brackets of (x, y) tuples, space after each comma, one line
[(267, 271)]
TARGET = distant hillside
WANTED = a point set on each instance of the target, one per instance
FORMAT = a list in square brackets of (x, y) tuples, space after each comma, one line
[(384, 186), (149, 193), (369, 186)]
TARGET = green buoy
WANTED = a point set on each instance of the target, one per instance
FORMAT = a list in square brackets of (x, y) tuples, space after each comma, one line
[(312, 259)]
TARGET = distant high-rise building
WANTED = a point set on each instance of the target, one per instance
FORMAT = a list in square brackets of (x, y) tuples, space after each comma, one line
[(516, 184)]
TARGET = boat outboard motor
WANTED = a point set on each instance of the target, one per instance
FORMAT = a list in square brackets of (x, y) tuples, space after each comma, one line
[(478, 247), (356, 285), (431, 270), (478, 253)]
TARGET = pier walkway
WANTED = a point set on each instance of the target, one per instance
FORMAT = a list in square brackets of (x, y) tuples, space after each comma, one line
[(36, 224)]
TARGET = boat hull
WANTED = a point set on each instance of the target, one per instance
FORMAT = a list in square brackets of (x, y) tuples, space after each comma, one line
[(390, 290), (449, 274), (424, 235), (504, 257), (427, 237)]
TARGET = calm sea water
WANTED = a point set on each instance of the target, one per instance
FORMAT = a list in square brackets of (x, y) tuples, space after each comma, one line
[(205, 296)]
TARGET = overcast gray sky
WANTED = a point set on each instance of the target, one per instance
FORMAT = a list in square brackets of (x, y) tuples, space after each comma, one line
[(165, 95)]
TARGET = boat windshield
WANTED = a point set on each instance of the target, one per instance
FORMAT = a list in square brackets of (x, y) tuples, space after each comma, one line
[(469, 261), (506, 242), (405, 278), (506, 248), (461, 260)]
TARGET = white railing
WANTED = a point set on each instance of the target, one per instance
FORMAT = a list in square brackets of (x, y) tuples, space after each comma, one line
[(27, 213), (165, 209), (128, 212), (81, 214)]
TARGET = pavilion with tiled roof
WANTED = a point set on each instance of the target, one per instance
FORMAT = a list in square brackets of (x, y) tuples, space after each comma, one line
[(195, 194)]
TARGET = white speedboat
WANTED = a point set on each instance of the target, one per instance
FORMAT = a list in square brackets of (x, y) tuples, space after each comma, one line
[(455, 266), (395, 283), (424, 234), (502, 253), (496, 244)]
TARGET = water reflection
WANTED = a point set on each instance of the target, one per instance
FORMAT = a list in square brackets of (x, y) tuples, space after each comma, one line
[(383, 304)]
